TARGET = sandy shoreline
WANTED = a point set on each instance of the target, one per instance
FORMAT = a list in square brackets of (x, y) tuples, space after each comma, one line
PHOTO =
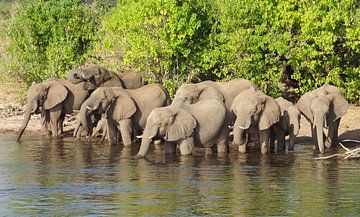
[(349, 126)]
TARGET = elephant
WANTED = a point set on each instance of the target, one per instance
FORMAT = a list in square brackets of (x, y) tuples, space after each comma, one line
[(97, 76), (192, 93), (126, 111), (224, 91), (323, 107), (256, 113), (289, 123), (54, 99), (186, 126)]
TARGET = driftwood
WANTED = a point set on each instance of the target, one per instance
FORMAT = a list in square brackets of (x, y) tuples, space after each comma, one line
[(349, 154)]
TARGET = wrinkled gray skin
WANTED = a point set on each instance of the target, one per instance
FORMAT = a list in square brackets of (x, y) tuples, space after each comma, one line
[(255, 114), (225, 91), (288, 125), (126, 110), (53, 99), (200, 123), (323, 107), (97, 76)]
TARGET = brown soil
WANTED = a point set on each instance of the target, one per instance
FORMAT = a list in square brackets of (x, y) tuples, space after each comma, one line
[(11, 117)]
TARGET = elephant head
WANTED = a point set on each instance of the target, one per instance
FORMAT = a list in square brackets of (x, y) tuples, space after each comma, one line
[(192, 93), (42, 97), (169, 123), (115, 102), (290, 116), (322, 107), (95, 76), (253, 109)]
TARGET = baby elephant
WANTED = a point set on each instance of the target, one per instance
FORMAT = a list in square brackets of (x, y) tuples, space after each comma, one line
[(126, 111), (201, 123), (288, 125)]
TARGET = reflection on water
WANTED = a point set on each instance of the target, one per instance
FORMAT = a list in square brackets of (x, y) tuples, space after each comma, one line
[(42, 177)]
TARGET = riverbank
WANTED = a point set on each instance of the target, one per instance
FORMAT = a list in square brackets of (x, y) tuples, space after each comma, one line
[(12, 109)]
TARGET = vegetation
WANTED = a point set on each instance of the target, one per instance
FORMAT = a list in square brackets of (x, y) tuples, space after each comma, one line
[(50, 37), (303, 43)]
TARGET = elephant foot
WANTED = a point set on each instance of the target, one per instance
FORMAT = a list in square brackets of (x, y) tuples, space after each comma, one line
[(157, 146), (264, 149), (291, 148), (208, 151), (222, 148), (242, 148)]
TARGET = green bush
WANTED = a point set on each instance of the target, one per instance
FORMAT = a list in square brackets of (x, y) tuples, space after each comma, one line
[(49, 37), (307, 43), (163, 39), (303, 43)]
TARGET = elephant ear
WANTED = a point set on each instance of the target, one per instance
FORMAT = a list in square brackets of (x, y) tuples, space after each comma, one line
[(210, 92), (56, 94), (107, 75), (271, 113), (182, 127), (123, 107), (304, 106), (338, 107)]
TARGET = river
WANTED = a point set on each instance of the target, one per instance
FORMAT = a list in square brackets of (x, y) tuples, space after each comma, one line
[(63, 177)]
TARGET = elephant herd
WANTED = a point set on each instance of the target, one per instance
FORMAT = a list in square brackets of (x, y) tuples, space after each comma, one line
[(123, 108)]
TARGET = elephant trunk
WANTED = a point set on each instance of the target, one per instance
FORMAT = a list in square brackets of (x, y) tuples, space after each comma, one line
[(145, 141), (73, 77), (319, 133), (240, 136), (84, 116), (25, 122), (296, 127)]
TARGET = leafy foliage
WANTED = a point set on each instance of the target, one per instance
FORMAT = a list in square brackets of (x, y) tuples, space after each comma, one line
[(301, 43), (50, 37), (164, 39)]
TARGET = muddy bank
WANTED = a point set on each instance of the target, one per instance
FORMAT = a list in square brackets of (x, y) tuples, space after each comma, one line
[(11, 117)]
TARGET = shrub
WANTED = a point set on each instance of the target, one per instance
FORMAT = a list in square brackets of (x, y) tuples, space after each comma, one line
[(163, 39), (49, 37)]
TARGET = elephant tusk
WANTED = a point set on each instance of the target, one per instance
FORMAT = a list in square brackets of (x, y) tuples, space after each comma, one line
[(82, 75), (243, 128), (139, 137), (91, 109)]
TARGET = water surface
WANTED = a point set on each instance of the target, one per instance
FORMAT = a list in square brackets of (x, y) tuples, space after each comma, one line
[(63, 177)]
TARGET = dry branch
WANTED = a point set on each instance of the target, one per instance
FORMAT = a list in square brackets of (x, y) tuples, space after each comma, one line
[(349, 154)]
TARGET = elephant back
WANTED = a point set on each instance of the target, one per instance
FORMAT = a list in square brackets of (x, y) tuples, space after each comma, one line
[(146, 99), (232, 88), (131, 80), (76, 95)]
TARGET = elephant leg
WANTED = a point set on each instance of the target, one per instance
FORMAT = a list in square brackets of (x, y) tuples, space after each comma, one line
[(170, 148), (55, 120), (223, 142), (264, 140), (157, 144), (44, 130), (186, 146), (291, 142), (112, 132), (60, 123), (280, 135), (272, 140), (126, 131), (331, 140)]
